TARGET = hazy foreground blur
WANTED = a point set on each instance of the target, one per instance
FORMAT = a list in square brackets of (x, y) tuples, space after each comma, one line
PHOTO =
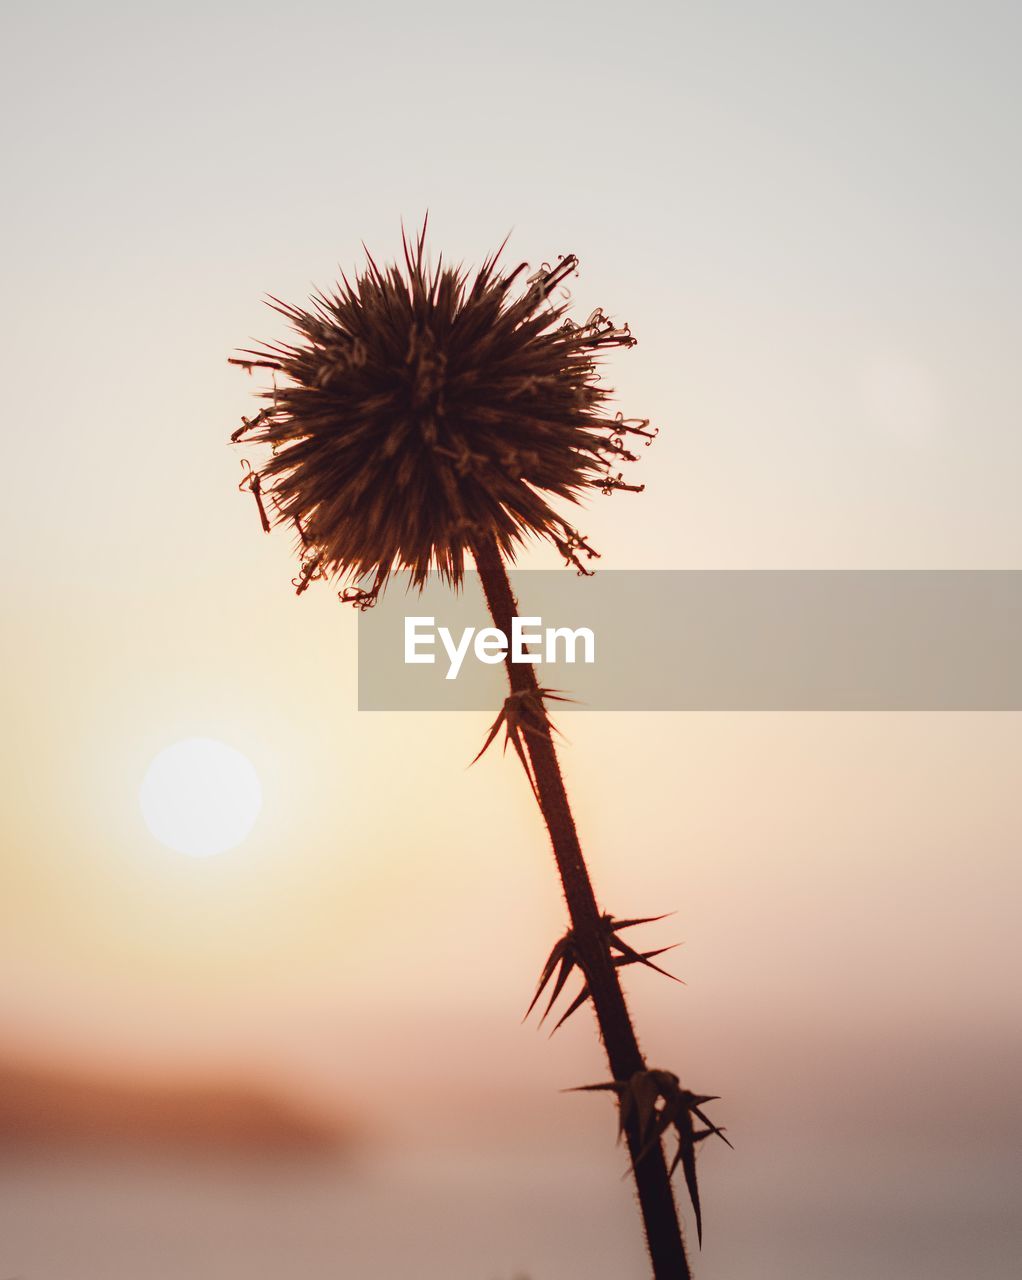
[(881, 1152), (303, 1058)]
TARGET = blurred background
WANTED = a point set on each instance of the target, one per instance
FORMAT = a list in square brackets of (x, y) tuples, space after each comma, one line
[(304, 1056)]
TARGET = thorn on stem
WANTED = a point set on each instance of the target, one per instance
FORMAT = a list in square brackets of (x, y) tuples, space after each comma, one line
[(653, 1102)]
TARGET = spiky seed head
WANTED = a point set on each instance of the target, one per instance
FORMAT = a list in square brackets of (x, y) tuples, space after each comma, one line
[(417, 412)]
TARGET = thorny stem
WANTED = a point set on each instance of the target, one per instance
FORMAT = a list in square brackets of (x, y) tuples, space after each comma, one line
[(656, 1198)]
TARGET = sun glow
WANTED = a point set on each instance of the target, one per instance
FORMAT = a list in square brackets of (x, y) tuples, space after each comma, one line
[(200, 797)]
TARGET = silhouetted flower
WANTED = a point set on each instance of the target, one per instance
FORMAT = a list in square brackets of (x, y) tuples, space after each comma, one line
[(416, 413), (417, 417)]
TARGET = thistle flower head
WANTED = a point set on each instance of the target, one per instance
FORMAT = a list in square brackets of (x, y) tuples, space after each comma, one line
[(418, 411)]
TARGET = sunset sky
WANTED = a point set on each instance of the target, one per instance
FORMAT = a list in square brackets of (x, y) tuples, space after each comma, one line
[(808, 214)]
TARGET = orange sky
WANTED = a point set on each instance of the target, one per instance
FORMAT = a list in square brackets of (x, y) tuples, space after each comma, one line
[(808, 228)]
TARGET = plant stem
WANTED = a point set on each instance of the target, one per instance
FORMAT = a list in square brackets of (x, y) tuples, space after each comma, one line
[(656, 1198)]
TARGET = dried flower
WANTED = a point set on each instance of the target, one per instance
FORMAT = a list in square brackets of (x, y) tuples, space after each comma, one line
[(417, 417), (418, 414)]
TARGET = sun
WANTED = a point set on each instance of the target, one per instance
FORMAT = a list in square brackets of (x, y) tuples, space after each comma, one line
[(200, 797)]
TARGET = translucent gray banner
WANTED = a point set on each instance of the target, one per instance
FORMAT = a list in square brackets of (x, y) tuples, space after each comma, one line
[(652, 640)]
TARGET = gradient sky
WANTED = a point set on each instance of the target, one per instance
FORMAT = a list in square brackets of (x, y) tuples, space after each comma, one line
[(808, 213)]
